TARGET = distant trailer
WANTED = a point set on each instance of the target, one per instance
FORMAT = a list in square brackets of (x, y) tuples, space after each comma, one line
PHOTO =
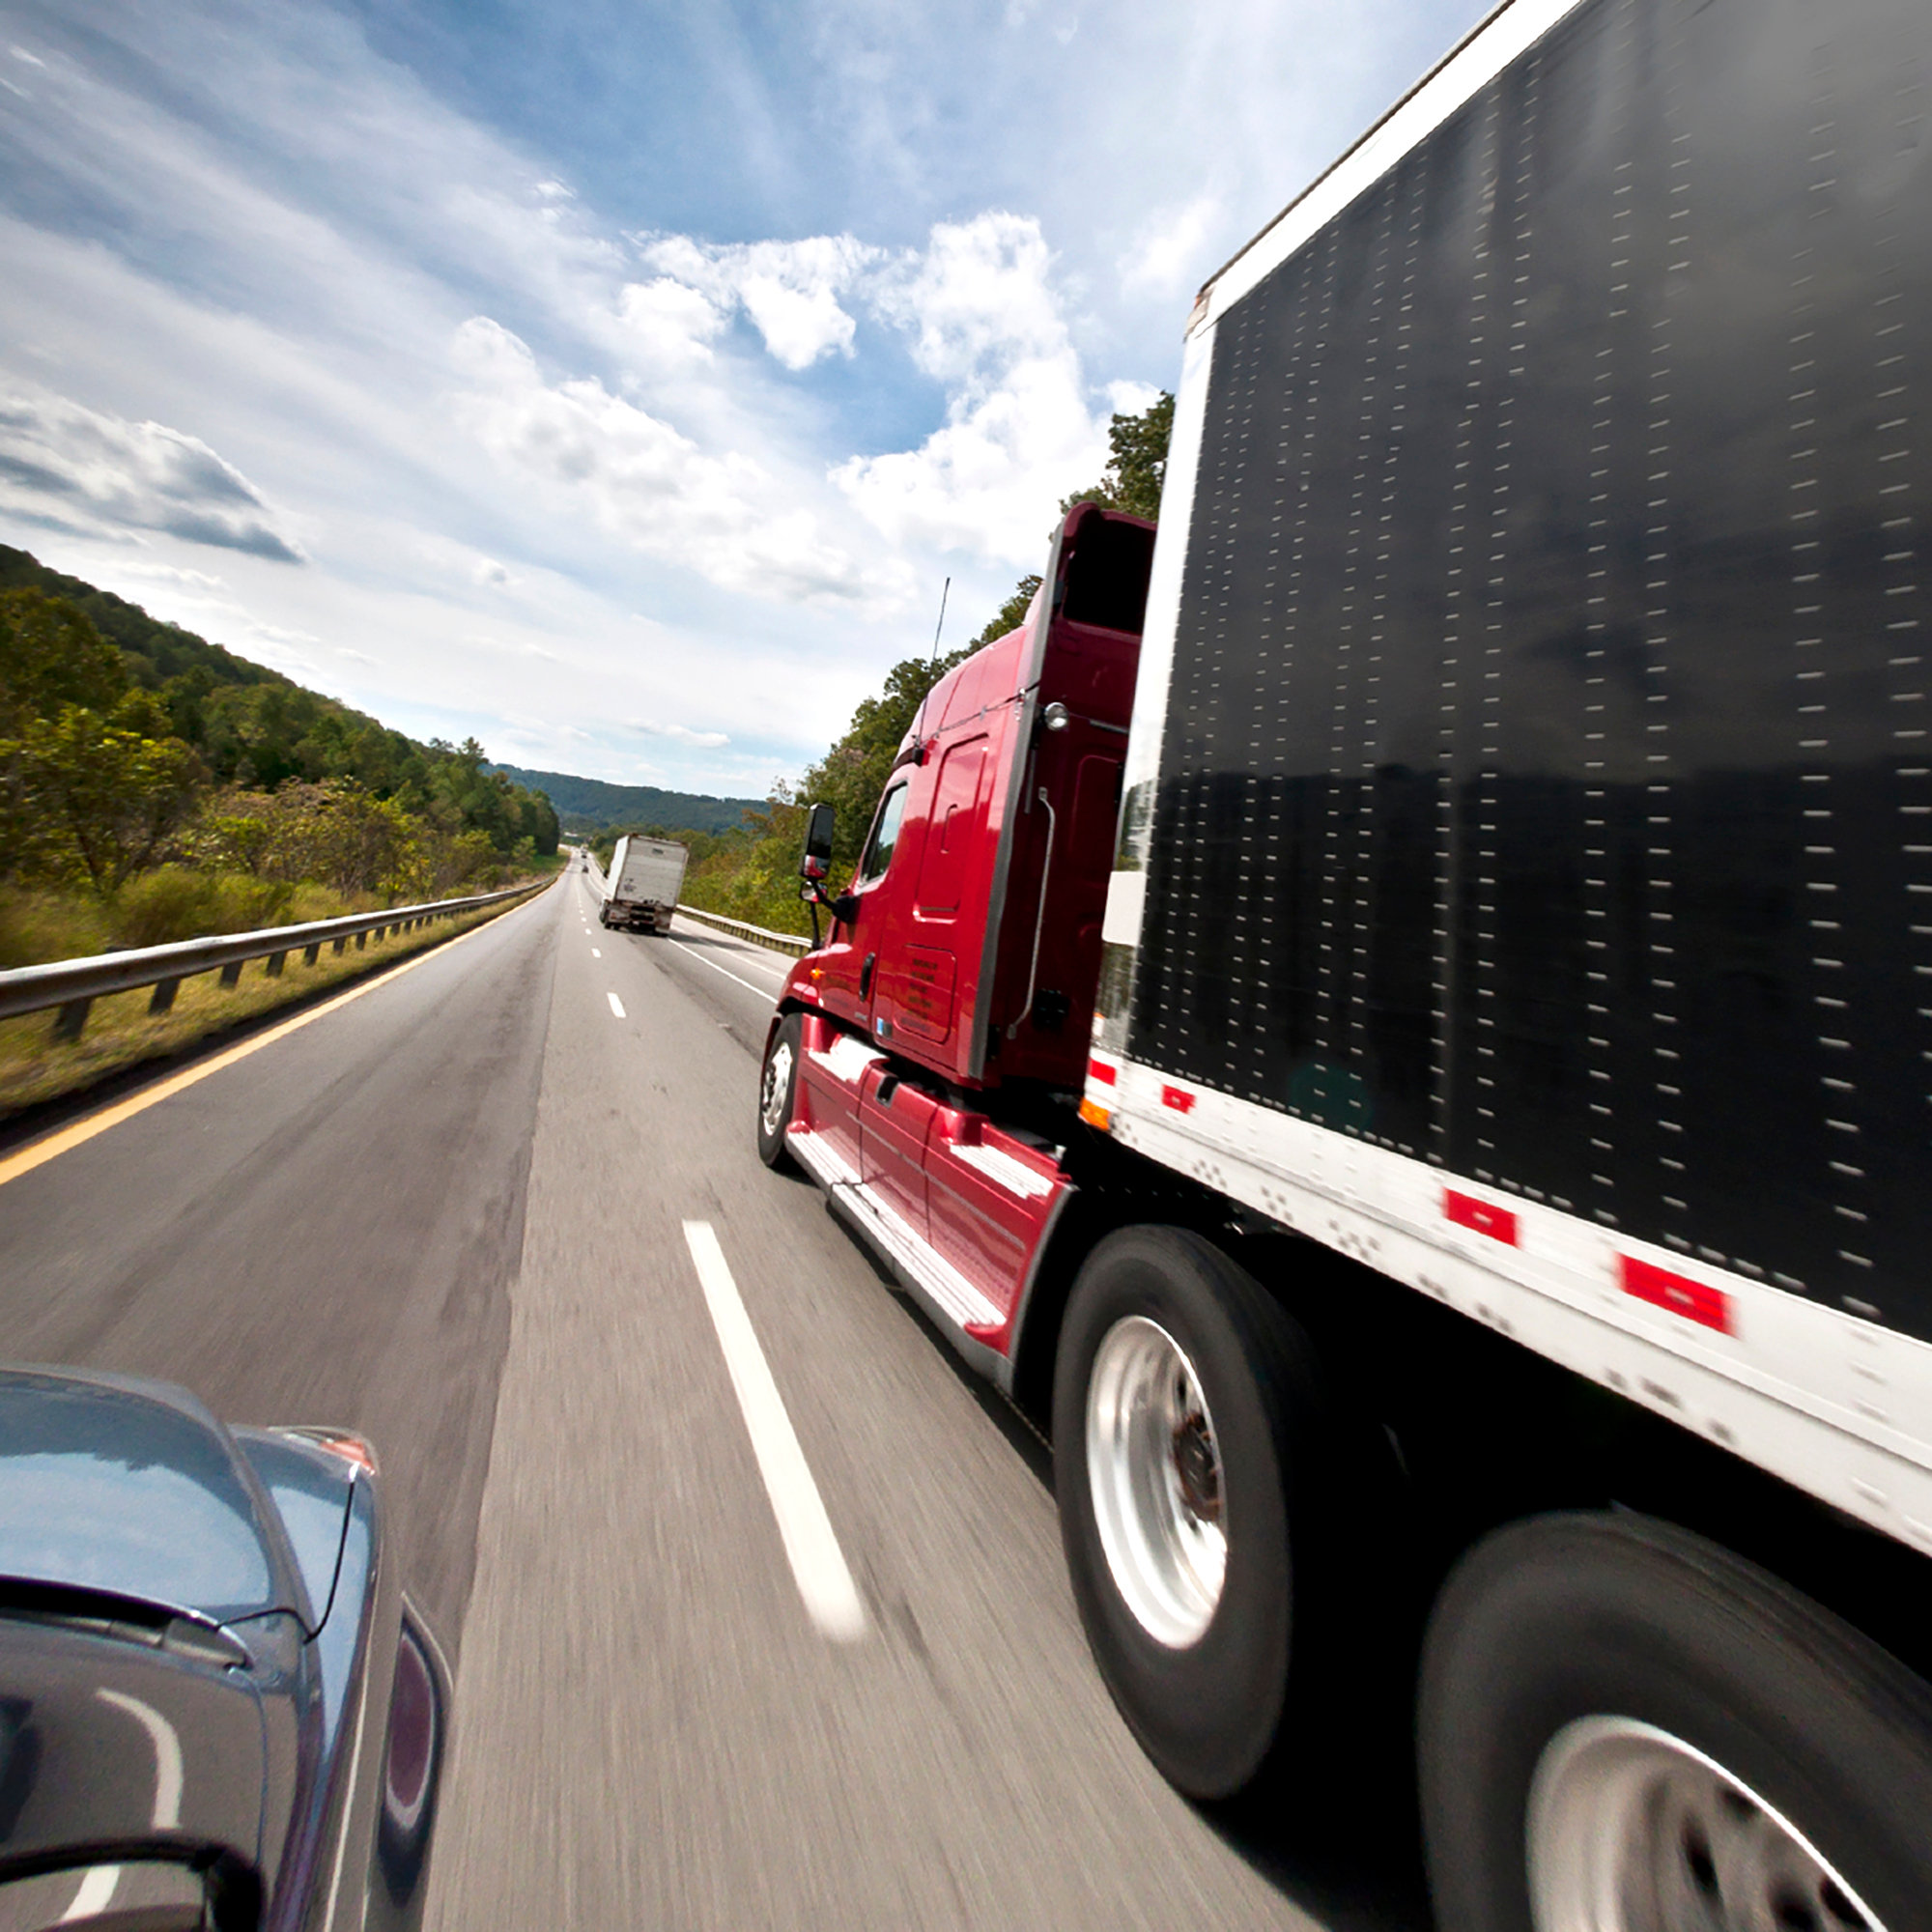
[(645, 877)]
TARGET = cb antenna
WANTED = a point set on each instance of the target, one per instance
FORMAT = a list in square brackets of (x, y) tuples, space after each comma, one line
[(941, 625)]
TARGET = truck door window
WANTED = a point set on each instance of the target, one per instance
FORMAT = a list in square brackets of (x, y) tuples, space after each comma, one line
[(885, 836)]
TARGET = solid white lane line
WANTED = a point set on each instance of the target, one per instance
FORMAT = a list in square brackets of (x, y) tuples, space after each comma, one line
[(817, 1564), (763, 992), (616, 1004)]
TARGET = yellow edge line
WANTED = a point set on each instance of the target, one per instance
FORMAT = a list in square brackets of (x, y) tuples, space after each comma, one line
[(36, 1152)]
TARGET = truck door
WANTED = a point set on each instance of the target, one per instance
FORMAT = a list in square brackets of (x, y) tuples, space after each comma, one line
[(848, 971), (848, 968), (919, 969)]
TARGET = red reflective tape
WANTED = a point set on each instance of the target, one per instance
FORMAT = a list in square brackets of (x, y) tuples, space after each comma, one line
[(1696, 1300), (1099, 1069), (1467, 1211), (1178, 1098)]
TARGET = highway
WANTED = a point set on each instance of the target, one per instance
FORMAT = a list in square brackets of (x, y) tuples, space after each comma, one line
[(466, 1214)]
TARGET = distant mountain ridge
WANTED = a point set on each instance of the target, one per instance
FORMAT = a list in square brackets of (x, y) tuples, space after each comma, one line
[(589, 805)]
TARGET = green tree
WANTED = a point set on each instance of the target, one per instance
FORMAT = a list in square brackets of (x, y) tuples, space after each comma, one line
[(52, 656), (101, 795), (853, 773), (1011, 613)]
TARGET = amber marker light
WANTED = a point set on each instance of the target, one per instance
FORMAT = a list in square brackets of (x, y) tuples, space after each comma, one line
[(339, 1442), (1095, 1115)]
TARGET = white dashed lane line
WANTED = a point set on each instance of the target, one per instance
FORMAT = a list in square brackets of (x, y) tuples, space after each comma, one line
[(596, 953), (817, 1564), (616, 1004)]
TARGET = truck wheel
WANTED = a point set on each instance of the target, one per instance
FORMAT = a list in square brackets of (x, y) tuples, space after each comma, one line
[(1624, 1728), (1186, 1411), (778, 1083)]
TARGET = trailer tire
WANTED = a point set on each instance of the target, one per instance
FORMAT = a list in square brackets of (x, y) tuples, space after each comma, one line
[(777, 1092), (1622, 1725), (1198, 1665)]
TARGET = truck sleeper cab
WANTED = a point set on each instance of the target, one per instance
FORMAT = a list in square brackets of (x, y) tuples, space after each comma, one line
[(1475, 1283), (964, 959)]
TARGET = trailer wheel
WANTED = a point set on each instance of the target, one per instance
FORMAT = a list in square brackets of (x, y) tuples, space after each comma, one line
[(777, 1087), (1187, 1414), (1624, 1728)]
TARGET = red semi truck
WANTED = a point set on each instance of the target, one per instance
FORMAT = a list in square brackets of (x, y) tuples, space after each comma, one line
[(1395, 1018)]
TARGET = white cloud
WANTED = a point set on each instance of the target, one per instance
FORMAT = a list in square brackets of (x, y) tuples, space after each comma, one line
[(60, 456), (197, 581), (790, 290), (1019, 435), (669, 325), (708, 741), (1170, 253), (649, 485)]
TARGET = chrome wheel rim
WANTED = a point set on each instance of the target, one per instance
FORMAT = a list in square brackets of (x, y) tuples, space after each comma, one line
[(1154, 1466), (777, 1086), (1631, 1830)]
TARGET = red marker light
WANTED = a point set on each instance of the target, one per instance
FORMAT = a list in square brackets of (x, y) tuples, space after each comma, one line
[(1467, 1211), (1178, 1098), (1696, 1300)]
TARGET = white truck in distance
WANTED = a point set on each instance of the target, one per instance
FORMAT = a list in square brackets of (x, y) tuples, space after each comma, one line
[(642, 888)]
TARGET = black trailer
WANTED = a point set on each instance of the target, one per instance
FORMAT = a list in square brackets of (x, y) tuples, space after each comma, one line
[(1524, 930)]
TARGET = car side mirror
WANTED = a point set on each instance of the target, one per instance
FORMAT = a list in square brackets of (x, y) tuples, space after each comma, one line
[(816, 863)]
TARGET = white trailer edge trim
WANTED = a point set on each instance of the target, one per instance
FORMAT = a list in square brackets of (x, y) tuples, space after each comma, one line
[(1513, 28), (1802, 1390)]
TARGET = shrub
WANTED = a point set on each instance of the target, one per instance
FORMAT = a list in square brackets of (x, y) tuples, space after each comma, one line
[(173, 903), (38, 927)]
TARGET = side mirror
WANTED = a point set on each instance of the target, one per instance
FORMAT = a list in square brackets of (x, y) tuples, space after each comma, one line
[(817, 864)]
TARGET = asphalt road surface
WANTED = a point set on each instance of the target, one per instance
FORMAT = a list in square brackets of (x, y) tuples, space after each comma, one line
[(732, 1652)]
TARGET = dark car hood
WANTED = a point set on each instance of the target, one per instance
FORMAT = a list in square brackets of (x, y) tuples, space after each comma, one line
[(105, 1742), (133, 1489)]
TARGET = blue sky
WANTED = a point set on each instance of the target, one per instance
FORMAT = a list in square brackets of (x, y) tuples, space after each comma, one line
[(618, 383)]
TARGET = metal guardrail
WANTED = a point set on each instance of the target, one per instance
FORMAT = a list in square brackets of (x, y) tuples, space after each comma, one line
[(761, 935), (75, 984)]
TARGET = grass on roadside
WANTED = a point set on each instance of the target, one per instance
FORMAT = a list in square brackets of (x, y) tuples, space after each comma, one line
[(36, 1068)]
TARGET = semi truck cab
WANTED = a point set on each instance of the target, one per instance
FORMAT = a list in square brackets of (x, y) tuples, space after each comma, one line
[(968, 943), (927, 1058)]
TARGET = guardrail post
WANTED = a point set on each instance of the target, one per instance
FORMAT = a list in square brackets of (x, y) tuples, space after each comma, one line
[(231, 973), (362, 942), (311, 953), (163, 995), (274, 966), (70, 1019), (340, 943)]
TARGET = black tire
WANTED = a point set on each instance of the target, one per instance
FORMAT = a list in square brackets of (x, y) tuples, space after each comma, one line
[(778, 1092), (1210, 1712), (1551, 1624)]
